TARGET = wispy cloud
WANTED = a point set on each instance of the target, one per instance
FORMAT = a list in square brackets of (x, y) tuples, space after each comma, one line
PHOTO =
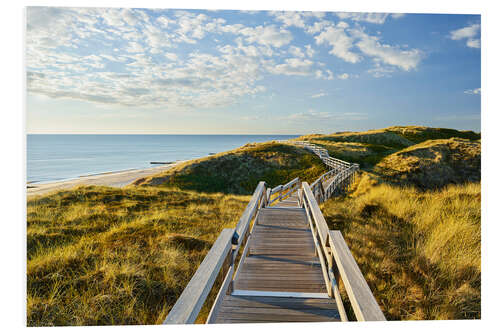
[(341, 43), (476, 91), (313, 115), (393, 55), (318, 95), (470, 34), (376, 18)]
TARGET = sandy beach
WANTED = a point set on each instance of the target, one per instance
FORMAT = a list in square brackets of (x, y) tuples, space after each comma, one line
[(115, 179)]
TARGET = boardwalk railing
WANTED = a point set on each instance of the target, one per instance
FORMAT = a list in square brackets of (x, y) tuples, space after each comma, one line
[(337, 263), (336, 260), (336, 183), (333, 163), (282, 192)]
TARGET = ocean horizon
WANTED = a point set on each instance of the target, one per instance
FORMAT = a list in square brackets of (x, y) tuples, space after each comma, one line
[(56, 157)]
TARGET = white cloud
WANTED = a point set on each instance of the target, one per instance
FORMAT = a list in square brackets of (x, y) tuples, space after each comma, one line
[(309, 51), (473, 43), (296, 51), (376, 18), (476, 91), (397, 15), (466, 32), (289, 18), (318, 95), (267, 35), (318, 26), (134, 47), (381, 71), (388, 54), (311, 115), (293, 66), (469, 33), (341, 43), (171, 56), (295, 19), (343, 76), (326, 75)]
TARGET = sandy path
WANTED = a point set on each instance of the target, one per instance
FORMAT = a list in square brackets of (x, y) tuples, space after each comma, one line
[(116, 179)]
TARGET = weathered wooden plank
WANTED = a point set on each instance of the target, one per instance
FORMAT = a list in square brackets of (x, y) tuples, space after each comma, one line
[(312, 312), (362, 300), (282, 267), (287, 294), (257, 321), (272, 302), (277, 309), (253, 318), (189, 304), (312, 276)]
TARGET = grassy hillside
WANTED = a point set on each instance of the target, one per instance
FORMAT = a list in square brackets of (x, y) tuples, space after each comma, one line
[(420, 252), (371, 147), (238, 171), (103, 256), (395, 136), (434, 164)]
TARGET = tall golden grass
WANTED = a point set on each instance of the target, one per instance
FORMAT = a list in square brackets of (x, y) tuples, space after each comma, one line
[(420, 252), (106, 256)]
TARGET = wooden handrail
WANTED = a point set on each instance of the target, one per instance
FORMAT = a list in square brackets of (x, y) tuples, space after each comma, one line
[(316, 213), (248, 214), (320, 228), (362, 300), (284, 190), (189, 304), (334, 248)]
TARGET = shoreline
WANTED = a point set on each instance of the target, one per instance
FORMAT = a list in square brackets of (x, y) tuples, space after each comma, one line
[(118, 178)]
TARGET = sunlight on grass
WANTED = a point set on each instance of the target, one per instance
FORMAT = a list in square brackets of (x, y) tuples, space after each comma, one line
[(103, 256), (420, 252)]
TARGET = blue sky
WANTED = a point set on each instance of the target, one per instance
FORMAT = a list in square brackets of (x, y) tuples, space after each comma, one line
[(98, 70)]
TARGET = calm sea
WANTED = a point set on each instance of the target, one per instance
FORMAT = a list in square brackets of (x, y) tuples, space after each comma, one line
[(52, 157)]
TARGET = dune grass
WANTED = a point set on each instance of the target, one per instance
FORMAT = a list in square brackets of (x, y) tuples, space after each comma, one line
[(433, 164), (238, 171), (420, 252), (107, 256), (398, 137)]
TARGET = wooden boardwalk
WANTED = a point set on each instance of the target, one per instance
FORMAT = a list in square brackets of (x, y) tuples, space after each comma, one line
[(280, 279), (289, 261)]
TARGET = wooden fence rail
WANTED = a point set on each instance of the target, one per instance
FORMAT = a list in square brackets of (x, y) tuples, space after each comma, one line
[(339, 263)]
